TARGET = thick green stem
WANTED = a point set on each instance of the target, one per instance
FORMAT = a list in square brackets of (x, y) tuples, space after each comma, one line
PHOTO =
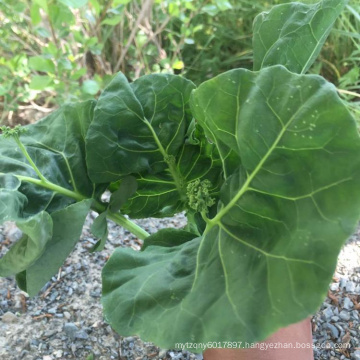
[(96, 206), (128, 225), (51, 186), (121, 220)]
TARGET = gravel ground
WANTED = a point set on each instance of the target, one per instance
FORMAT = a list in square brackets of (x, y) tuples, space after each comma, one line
[(65, 320)]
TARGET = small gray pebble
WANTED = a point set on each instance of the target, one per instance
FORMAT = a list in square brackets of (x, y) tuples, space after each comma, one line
[(356, 355), (14, 234), (345, 315), (129, 339), (333, 330), (82, 335), (162, 353), (328, 313), (339, 327), (342, 283), (174, 356), (53, 296), (334, 287), (70, 330), (34, 342), (335, 318), (24, 353), (350, 286), (95, 293), (52, 311), (348, 304), (67, 315)]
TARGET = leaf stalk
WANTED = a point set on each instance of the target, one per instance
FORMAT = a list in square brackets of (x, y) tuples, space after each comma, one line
[(28, 157)]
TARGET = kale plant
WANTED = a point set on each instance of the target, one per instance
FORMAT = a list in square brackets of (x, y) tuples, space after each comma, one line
[(265, 163)]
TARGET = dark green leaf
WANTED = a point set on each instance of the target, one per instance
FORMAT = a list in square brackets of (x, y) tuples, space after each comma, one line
[(168, 238), (157, 195), (37, 232), (46, 171), (67, 227), (142, 129), (56, 144), (266, 258), (127, 188), (293, 34), (12, 201), (130, 280), (137, 124), (100, 230)]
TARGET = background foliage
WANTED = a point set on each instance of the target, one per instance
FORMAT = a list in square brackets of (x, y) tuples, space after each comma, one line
[(55, 51)]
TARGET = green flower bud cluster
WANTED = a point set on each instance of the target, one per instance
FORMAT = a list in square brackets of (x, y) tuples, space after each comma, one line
[(198, 195), (12, 132)]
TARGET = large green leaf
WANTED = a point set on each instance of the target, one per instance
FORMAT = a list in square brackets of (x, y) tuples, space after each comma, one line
[(265, 260), (142, 129), (57, 146), (139, 286), (293, 34), (136, 125), (67, 227), (41, 175), (37, 231), (12, 201)]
